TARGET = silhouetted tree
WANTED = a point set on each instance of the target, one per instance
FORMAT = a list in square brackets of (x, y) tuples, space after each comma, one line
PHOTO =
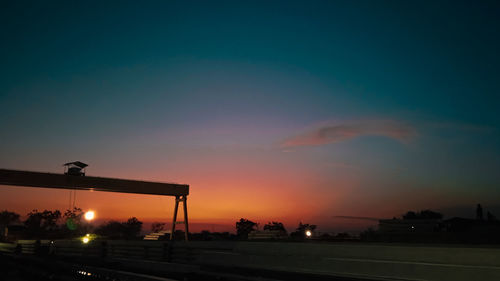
[(244, 227), (112, 230), (300, 232), (303, 227), (133, 228), (73, 218), (157, 226), (479, 212), (7, 218), (425, 214), (121, 230), (75, 225), (42, 223), (428, 214), (275, 226), (410, 215)]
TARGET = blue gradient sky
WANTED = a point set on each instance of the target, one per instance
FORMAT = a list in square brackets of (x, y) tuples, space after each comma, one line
[(397, 103)]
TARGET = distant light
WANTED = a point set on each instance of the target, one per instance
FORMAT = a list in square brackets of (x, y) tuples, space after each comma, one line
[(309, 233), (412, 227), (90, 215), (87, 235), (85, 240)]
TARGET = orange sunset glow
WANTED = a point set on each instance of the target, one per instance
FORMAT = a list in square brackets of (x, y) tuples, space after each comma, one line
[(324, 114)]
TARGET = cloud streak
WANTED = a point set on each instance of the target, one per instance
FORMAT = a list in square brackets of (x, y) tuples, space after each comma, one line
[(334, 132)]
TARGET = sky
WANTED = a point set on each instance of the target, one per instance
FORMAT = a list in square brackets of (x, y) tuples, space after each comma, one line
[(293, 111)]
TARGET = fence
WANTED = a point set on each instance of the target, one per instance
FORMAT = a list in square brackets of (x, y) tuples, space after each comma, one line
[(141, 250), (383, 261)]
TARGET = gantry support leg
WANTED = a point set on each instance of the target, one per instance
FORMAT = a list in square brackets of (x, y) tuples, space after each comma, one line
[(174, 222), (186, 225), (183, 199)]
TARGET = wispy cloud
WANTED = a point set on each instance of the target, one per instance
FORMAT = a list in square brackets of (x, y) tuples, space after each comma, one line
[(333, 132)]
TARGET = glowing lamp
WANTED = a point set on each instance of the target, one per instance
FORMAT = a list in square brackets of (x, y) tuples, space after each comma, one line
[(309, 233), (85, 240), (89, 215)]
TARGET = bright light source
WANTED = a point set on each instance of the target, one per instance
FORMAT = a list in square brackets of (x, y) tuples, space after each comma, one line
[(89, 215), (85, 240), (309, 233)]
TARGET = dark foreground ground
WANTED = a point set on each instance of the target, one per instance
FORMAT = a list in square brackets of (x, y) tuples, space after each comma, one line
[(239, 260), (23, 267)]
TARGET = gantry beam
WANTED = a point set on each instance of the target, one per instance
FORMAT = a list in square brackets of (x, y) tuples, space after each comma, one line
[(47, 180)]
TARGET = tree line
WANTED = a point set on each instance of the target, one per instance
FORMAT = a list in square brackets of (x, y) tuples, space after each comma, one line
[(245, 227), (50, 224)]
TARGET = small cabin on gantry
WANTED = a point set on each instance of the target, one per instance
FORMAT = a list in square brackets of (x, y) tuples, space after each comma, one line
[(76, 168)]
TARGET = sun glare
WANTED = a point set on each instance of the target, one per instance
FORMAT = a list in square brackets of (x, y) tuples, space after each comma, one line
[(90, 215)]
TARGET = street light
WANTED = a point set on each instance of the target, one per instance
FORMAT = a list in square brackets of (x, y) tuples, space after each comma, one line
[(309, 233), (86, 239), (89, 215)]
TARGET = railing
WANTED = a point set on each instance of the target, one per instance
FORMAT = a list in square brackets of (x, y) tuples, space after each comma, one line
[(7, 248), (177, 252)]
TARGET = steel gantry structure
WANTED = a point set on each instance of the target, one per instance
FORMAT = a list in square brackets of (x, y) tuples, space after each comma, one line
[(82, 182)]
